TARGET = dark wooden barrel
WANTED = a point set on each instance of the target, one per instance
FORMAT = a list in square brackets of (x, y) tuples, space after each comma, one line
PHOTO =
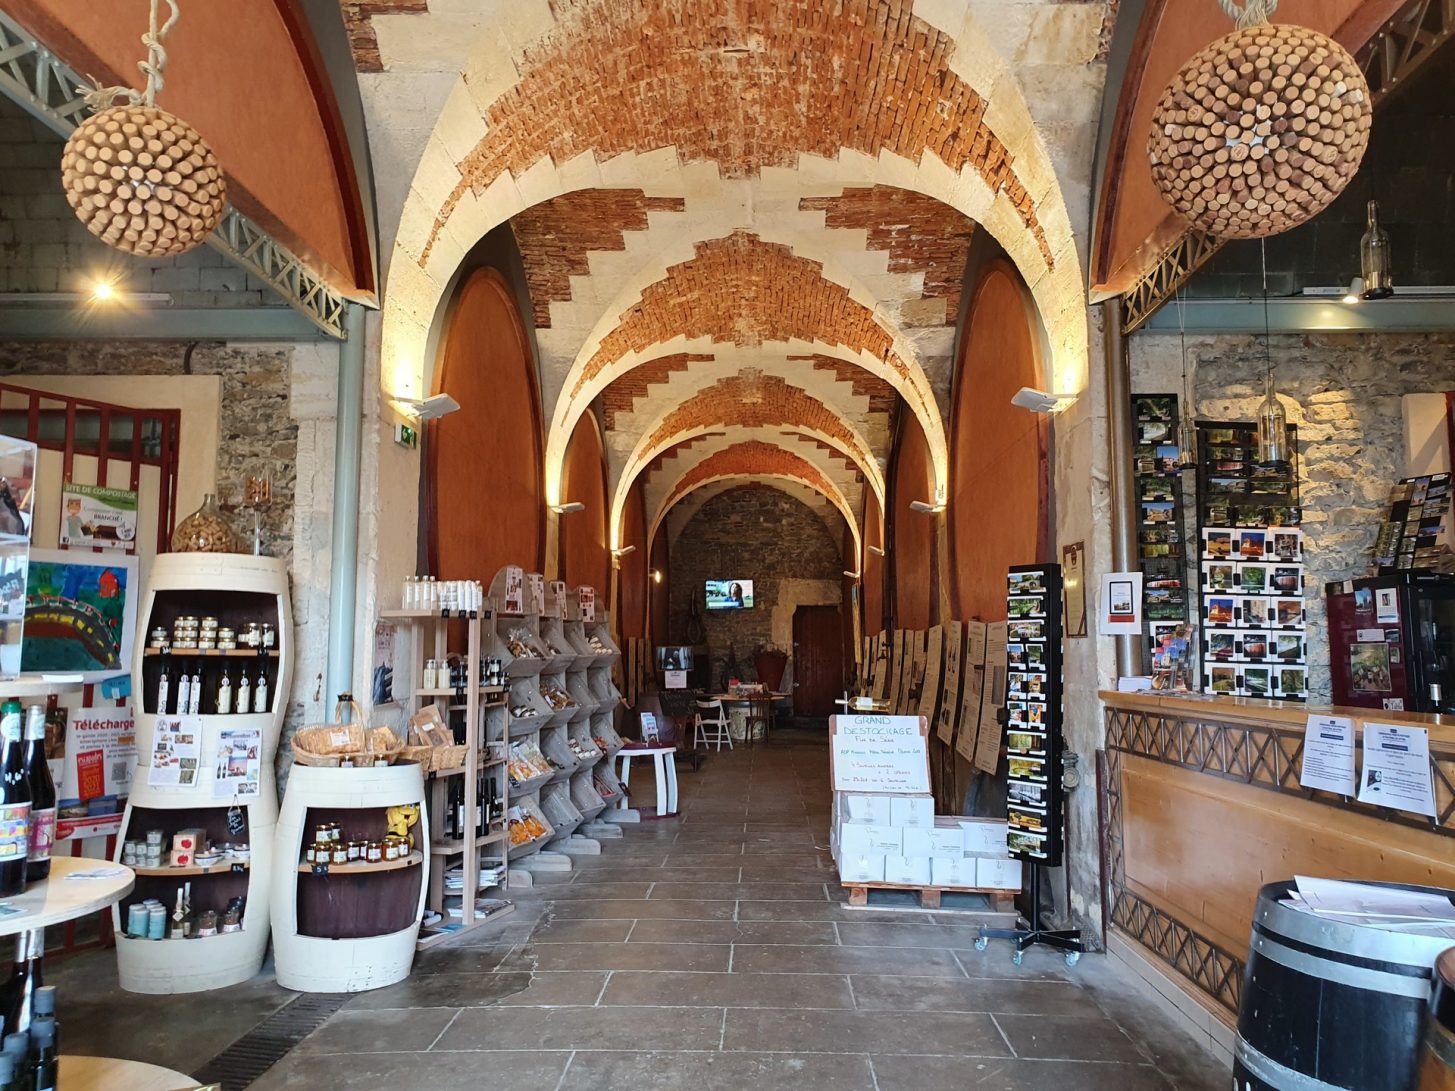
[(1330, 1005), (1437, 1065)]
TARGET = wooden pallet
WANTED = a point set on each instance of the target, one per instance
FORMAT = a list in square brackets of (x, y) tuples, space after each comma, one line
[(1001, 901)]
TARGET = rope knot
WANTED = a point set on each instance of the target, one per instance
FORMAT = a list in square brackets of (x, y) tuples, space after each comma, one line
[(1253, 12)]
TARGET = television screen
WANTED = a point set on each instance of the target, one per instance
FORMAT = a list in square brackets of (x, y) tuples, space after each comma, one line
[(729, 594), (674, 657)]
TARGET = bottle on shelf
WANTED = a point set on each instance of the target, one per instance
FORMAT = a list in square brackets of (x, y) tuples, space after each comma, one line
[(194, 702), (14, 802), (163, 690), (45, 1012), (179, 920), (44, 1062), (244, 692), (260, 691), (189, 922), (42, 798), (25, 980), (224, 693)]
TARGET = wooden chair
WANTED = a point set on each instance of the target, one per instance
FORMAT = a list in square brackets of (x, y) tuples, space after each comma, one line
[(710, 726)]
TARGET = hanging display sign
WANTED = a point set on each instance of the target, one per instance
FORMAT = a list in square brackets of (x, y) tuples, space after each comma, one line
[(674, 679), (879, 754), (557, 598), (1121, 604), (514, 590), (383, 681), (1328, 755), (1397, 768), (535, 587), (238, 774), (176, 752), (586, 599), (95, 516)]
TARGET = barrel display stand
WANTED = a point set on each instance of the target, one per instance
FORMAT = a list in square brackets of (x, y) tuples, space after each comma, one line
[(1331, 1005), (348, 927), (234, 588)]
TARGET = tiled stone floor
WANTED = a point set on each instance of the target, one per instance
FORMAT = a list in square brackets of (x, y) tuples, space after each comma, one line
[(715, 951)]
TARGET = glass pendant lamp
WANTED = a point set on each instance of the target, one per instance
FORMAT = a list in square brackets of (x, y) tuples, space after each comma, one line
[(1375, 258), (1272, 426)]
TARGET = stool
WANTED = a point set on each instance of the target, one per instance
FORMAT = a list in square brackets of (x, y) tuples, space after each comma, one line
[(666, 776)]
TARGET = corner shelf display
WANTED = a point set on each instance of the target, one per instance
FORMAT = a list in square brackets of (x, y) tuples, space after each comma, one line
[(1161, 542), (467, 799), (1252, 570), (348, 927), (1033, 731), (210, 771)]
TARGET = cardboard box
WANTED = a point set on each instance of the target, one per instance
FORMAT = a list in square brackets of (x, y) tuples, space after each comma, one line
[(984, 836), (946, 843), (867, 808), (866, 868), (907, 870), (858, 839), (912, 812), (997, 874), (960, 871)]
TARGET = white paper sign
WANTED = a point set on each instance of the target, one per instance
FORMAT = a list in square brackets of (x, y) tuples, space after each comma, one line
[(239, 764), (675, 679), (1120, 609), (1397, 768), (176, 751), (1328, 755), (879, 754)]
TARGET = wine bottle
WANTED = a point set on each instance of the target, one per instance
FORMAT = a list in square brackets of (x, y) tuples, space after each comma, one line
[(44, 1063), (189, 920), (194, 702), (14, 802), (179, 925), (224, 693), (42, 798), (260, 691), (45, 1011), (163, 691), (244, 693), (25, 979)]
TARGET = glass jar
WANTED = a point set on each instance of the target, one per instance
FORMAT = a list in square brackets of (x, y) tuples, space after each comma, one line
[(206, 530), (374, 853), (207, 924), (356, 851), (340, 853)]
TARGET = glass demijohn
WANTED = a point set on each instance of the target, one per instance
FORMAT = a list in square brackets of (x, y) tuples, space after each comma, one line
[(1272, 427), (1374, 258)]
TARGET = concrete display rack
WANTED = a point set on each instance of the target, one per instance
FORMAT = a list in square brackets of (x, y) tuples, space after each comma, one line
[(235, 589), (347, 927)]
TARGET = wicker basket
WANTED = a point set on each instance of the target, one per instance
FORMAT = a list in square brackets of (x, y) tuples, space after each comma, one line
[(328, 745), (449, 757), (422, 755)]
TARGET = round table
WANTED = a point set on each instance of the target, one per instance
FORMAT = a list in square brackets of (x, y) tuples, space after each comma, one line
[(61, 898), (760, 707), (107, 1074)]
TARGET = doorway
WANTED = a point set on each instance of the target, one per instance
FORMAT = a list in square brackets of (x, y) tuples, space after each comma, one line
[(818, 660)]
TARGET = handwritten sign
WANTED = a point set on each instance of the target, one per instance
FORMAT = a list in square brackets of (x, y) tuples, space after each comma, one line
[(880, 754)]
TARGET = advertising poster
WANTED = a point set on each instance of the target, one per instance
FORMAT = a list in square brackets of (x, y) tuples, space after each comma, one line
[(1397, 768), (239, 764), (383, 684), (1121, 604), (176, 752), (80, 614), (95, 516), (96, 757)]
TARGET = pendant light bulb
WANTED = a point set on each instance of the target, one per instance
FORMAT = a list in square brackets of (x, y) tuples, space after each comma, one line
[(1375, 258), (1272, 427), (1187, 440)]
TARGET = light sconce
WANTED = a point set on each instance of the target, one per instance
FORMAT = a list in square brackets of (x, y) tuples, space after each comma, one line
[(851, 575), (623, 551), (1355, 294), (656, 575), (425, 409), (568, 509), (878, 551), (1039, 401), (924, 507)]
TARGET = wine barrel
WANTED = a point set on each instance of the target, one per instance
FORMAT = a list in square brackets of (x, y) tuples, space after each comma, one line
[(1331, 1005), (1437, 1066)]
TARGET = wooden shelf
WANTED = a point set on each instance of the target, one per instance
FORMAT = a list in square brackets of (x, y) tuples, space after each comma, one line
[(413, 859), (223, 867), (451, 691), (214, 653)]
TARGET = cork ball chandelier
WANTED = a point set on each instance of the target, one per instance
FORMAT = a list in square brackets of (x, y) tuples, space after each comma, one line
[(142, 180), (1262, 129)]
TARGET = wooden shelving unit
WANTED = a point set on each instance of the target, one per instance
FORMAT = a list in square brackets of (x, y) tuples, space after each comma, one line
[(236, 589), (414, 859), (479, 716)]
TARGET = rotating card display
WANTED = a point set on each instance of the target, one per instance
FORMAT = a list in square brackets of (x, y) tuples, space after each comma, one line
[(1161, 544), (1033, 714), (1251, 569), (1409, 537)]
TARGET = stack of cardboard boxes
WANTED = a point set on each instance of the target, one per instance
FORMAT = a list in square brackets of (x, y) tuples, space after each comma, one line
[(882, 838)]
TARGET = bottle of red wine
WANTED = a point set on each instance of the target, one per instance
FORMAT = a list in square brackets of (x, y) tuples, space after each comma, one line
[(25, 979), (14, 802), (42, 797)]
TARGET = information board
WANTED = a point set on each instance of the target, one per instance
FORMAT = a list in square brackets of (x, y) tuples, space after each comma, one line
[(880, 754)]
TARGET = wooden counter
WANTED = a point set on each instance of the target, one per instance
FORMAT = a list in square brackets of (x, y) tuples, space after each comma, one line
[(1203, 806)]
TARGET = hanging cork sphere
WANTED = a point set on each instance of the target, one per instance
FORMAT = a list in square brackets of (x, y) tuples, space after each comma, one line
[(143, 181), (1260, 131)]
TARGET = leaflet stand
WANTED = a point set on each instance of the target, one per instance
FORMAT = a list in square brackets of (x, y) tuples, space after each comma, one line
[(1031, 719)]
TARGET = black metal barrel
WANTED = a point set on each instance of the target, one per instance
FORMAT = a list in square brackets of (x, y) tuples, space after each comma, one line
[(1437, 1068), (1328, 1005)]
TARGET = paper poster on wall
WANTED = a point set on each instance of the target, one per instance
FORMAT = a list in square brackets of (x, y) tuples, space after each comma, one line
[(1328, 755), (879, 754), (95, 757), (1120, 607), (1397, 768), (92, 515), (1386, 605), (176, 751), (239, 764), (383, 682), (80, 613), (535, 587), (674, 679)]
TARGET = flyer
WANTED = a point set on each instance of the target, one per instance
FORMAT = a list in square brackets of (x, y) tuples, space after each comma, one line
[(1121, 604), (1397, 768), (176, 752), (1328, 755), (95, 757), (92, 515), (239, 764)]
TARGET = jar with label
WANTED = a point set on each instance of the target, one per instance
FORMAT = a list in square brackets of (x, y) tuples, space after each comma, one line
[(374, 852), (356, 851), (232, 920), (340, 853), (270, 635), (252, 635), (207, 923)]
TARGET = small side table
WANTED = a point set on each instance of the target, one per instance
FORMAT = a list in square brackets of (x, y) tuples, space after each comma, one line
[(666, 776), (107, 1074)]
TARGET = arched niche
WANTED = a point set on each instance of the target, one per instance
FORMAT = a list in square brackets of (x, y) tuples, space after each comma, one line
[(998, 453), (585, 555), (485, 502), (872, 587), (912, 555), (633, 577)]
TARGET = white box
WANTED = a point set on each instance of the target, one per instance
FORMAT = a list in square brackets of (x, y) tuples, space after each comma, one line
[(907, 870), (857, 839), (912, 812), (868, 868), (984, 836), (865, 808), (917, 842), (945, 844), (998, 874), (960, 871)]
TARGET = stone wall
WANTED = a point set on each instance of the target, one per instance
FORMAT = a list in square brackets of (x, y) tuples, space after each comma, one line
[(754, 533), (1343, 392)]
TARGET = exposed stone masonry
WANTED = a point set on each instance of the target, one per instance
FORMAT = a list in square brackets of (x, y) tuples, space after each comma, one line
[(865, 384), (752, 459), (359, 21)]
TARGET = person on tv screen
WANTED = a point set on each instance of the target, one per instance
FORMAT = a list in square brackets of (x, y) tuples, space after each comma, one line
[(735, 594)]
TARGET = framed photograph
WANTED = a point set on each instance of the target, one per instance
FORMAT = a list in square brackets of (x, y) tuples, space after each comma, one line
[(1220, 611), (1026, 630), (80, 613), (1015, 712), (1252, 578), (1073, 589), (1257, 681), (1152, 433), (1217, 543), (1251, 545), (1016, 684), (1027, 583), (1286, 545), (1289, 647), (1025, 742), (1157, 630), (1253, 646), (1036, 714), (1029, 606), (1169, 459), (1028, 768), (1219, 576), (1220, 647), (1158, 513), (1291, 681), (1286, 579), (1218, 679), (1015, 655), (1154, 406), (1036, 656), (1256, 611), (1026, 795), (1369, 668), (1287, 612)]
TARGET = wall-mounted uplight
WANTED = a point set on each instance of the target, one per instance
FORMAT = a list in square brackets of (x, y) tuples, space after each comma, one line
[(103, 291), (878, 551), (656, 575), (924, 507), (851, 575), (1039, 401), (1355, 294), (423, 409), (568, 509), (618, 554)]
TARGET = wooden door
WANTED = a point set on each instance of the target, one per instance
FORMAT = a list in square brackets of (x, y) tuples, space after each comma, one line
[(818, 660)]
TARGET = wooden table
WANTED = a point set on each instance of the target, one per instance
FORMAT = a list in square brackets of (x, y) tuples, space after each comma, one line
[(108, 1074), (61, 898), (753, 701)]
